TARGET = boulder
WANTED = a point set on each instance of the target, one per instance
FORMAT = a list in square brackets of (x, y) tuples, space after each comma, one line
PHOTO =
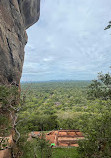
[(15, 17)]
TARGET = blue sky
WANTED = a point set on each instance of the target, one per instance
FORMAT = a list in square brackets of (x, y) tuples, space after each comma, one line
[(69, 41)]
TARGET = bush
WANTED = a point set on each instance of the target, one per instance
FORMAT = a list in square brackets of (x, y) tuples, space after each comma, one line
[(97, 142), (37, 148)]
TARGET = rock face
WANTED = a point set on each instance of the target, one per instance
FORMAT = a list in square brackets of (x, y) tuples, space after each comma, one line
[(15, 17)]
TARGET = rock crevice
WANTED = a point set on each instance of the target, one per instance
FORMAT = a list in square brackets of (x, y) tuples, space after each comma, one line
[(15, 17)]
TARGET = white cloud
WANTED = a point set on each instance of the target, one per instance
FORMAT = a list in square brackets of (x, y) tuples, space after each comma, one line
[(69, 41)]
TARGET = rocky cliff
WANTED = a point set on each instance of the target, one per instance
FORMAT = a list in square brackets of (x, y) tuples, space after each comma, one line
[(15, 17)]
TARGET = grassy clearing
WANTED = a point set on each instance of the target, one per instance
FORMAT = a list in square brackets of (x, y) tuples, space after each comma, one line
[(64, 153)]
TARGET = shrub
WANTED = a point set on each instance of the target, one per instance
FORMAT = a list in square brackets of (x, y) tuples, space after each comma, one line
[(97, 142)]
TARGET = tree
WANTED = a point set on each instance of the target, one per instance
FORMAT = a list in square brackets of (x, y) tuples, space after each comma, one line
[(97, 126), (94, 90), (109, 26), (97, 142), (100, 88), (43, 147), (36, 148)]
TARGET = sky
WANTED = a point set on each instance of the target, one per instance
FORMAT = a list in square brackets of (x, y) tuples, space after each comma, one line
[(69, 41)]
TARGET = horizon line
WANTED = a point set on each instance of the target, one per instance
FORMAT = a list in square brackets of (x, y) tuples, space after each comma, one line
[(51, 81)]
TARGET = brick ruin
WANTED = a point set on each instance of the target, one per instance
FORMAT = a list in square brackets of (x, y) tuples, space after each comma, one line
[(61, 138)]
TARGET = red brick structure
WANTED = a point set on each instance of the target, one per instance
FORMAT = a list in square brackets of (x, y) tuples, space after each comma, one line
[(62, 138)]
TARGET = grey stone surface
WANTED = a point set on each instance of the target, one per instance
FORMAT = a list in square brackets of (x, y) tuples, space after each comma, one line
[(30, 10), (15, 17)]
